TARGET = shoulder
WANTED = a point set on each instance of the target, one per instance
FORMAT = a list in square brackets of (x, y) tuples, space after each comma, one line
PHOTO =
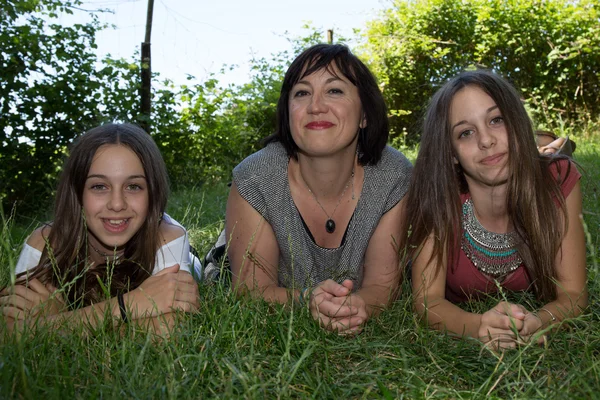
[(170, 230), (39, 237), (390, 177), (565, 173), (394, 160), (393, 165), (261, 163)]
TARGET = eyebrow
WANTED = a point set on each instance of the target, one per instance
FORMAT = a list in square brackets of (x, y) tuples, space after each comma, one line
[(105, 177), (329, 80), (492, 108)]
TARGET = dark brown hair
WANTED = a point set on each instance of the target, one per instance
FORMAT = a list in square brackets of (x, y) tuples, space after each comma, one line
[(371, 139), (433, 200), (64, 260)]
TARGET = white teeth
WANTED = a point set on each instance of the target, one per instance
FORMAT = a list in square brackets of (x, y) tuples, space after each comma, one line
[(116, 221)]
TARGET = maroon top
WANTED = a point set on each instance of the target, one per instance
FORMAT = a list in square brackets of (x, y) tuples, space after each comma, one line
[(465, 281)]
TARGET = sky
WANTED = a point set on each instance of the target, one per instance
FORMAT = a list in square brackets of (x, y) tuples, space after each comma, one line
[(198, 37)]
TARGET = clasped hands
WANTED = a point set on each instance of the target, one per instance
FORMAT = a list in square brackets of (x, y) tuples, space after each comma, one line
[(507, 325), (170, 289), (336, 308)]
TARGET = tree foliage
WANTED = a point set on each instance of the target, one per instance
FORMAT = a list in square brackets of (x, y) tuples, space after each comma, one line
[(53, 87), (50, 92), (549, 49)]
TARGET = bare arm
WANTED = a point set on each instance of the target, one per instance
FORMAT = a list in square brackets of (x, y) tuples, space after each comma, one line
[(31, 303), (253, 251), (382, 271), (571, 287), (429, 297), (497, 326)]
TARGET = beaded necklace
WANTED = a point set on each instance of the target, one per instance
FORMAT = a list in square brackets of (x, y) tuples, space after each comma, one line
[(492, 253)]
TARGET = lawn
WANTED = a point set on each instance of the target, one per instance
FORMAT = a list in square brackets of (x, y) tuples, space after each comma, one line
[(240, 348)]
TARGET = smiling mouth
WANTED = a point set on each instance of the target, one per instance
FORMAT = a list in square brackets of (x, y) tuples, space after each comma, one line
[(116, 225), (319, 125)]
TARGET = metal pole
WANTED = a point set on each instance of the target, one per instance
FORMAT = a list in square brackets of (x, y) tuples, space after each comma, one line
[(146, 70)]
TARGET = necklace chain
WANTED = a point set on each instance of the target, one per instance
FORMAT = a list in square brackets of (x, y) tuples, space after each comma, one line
[(330, 223), (105, 255)]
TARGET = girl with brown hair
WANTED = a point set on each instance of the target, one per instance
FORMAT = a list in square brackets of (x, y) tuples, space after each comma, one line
[(111, 251), (486, 211)]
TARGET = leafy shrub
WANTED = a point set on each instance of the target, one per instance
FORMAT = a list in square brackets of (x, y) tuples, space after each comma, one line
[(548, 49)]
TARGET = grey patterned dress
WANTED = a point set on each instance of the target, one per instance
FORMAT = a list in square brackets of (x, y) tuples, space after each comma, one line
[(262, 180)]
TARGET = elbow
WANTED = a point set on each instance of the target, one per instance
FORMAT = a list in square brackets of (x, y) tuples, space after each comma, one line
[(574, 302)]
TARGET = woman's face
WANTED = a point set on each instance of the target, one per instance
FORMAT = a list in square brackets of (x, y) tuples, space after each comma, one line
[(479, 137), (325, 113), (115, 197)]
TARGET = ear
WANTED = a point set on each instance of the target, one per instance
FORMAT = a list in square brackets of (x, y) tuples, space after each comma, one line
[(363, 122)]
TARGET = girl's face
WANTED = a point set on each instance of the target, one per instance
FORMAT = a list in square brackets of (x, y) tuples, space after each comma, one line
[(115, 197), (325, 113), (479, 137)]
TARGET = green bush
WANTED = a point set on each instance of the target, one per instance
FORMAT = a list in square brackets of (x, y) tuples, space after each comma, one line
[(548, 49)]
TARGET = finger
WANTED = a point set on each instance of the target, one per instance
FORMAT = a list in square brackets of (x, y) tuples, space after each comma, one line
[(334, 288), (184, 276), (184, 306), (331, 310), (17, 301), (51, 288), (187, 287), (189, 297), (38, 287), (345, 325), (13, 312), (349, 284), (510, 309), (318, 296), (498, 335), (169, 270), (349, 322), (32, 297), (505, 344), (342, 301)]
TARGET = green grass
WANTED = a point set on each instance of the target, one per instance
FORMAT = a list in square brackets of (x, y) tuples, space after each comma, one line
[(240, 348)]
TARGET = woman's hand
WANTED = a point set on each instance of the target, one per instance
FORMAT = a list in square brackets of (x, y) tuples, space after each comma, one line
[(29, 299), (354, 324), (170, 289), (531, 324), (500, 326), (329, 305)]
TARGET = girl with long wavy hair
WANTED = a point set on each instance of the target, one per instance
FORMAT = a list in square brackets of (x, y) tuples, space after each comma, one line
[(487, 213), (111, 251)]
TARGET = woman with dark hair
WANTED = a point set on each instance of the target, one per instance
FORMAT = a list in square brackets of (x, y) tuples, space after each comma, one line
[(111, 250), (487, 212), (313, 217)]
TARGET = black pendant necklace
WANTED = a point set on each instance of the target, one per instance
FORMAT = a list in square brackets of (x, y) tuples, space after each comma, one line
[(330, 226), (330, 223)]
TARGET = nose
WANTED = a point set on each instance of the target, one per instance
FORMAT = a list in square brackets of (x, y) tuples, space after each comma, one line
[(486, 138), (317, 104), (117, 201)]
